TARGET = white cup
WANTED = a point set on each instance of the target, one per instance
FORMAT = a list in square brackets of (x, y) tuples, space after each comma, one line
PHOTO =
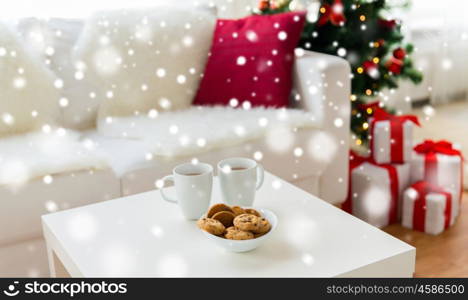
[(193, 185), (239, 179)]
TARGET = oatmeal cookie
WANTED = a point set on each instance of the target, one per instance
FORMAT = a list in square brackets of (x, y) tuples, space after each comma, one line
[(233, 233), (224, 217), (238, 210), (252, 212), (217, 208), (211, 226), (263, 226), (246, 222)]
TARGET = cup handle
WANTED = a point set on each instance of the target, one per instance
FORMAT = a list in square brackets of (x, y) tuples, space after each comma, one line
[(260, 175), (163, 194)]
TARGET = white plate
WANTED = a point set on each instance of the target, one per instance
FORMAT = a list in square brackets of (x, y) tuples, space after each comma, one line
[(246, 245)]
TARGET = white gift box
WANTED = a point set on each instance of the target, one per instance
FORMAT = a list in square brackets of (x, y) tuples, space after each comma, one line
[(371, 194), (434, 211), (448, 175), (382, 141)]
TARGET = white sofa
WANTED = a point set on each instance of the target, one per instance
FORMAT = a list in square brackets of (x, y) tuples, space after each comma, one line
[(313, 158)]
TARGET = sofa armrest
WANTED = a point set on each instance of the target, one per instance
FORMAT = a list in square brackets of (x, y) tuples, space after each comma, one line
[(322, 86)]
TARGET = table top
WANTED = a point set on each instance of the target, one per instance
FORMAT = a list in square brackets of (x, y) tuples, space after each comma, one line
[(142, 235)]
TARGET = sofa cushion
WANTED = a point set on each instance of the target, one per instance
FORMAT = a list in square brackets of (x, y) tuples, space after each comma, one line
[(201, 129), (52, 40), (142, 60), (251, 61), (120, 154), (128, 143), (28, 98), (36, 154)]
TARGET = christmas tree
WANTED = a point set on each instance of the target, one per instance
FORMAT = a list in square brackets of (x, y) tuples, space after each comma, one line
[(373, 45)]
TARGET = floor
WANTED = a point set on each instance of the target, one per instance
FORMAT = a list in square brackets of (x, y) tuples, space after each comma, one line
[(444, 255)]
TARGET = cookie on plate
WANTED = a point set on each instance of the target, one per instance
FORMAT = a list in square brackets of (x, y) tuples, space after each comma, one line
[(211, 226), (263, 226), (252, 212), (217, 208), (225, 217), (246, 222), (233, 233), (238, 210)]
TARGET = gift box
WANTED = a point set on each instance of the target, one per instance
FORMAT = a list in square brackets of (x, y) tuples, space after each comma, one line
[(427, 208), (391, 137), (441, 165), (375, 190)]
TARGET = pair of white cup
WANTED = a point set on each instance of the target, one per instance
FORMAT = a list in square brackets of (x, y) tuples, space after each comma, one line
[(239, 178)]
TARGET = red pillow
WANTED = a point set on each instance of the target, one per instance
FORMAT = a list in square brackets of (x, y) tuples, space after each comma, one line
[(251, 61)]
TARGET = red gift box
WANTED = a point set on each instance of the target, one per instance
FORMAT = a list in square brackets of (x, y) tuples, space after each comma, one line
[(440, 164), (391, 137), (427, 208), (375, 190)]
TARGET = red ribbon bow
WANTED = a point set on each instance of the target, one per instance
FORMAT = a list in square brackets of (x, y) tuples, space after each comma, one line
[(396, 131), (420, 208), (333, 13), (430, 149), (444, 147), (355, 160)]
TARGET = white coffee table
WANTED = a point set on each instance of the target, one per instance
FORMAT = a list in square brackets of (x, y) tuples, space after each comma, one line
[(144, 236)]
